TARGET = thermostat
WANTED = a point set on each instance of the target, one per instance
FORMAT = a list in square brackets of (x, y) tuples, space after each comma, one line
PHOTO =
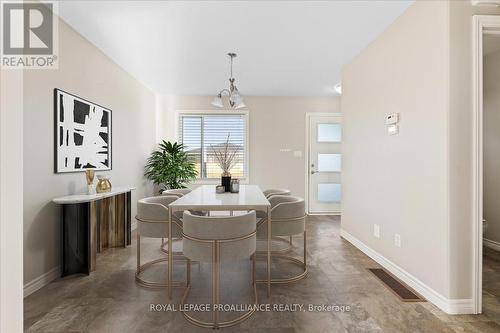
[(392, 119)]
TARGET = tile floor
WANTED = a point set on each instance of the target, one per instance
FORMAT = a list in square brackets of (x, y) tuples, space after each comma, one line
[(109, 300)]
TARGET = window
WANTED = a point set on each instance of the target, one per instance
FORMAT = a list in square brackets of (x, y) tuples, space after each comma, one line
[(204, 133)]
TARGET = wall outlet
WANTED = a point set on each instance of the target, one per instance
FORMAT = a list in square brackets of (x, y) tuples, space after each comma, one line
[(376, 230), (397, 240)]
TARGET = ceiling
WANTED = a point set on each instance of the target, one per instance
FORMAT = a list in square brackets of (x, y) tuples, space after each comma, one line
[(285, 48)]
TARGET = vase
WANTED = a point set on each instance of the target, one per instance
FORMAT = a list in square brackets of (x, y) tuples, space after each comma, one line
[(226, 181), (103, 185), (89, 175)]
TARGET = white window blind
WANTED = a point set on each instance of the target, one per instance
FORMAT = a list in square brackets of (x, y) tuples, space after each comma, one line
[(201, 134)]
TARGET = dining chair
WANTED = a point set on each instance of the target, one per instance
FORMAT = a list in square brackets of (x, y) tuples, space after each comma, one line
[(179, 192), (152, 222), (288, 218), (276, 191), (219, 239), (261, 215)]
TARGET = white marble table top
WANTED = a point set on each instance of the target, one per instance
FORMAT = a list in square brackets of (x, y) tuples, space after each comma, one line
[(79, 198), (205, 198)]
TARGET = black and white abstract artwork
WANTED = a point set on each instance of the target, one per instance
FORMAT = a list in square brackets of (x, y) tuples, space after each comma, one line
[(82, 134)]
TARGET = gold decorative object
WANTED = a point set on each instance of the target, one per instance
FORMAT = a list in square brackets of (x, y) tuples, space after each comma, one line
[(103, 185), (89, 175)]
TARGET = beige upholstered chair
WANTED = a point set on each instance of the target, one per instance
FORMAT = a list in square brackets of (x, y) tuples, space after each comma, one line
[(218, 239), (288, 218), (152, 222), (276, 191), (179, 192), (262, 215)]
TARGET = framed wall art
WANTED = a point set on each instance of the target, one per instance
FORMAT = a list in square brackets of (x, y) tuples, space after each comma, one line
[(82, 134)]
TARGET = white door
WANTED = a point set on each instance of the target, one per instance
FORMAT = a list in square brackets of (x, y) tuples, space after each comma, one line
[(324, 164)]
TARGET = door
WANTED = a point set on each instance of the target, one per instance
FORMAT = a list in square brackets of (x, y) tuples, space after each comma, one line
[(324, 164)]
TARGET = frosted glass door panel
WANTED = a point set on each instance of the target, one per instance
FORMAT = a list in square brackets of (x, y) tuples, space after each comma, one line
[(329, 192), (329, 132), (329, 162), (324, 164)]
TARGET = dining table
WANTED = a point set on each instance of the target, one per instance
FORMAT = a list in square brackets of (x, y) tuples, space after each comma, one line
[(204, 198)]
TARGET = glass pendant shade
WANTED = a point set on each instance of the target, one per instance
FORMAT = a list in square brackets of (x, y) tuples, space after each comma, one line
[(235, 97), (217, 102), (240, 104)]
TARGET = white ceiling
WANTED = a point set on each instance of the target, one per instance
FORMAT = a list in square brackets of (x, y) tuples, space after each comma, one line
[(284, 47)]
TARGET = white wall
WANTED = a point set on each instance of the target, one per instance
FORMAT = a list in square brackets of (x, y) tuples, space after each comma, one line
[(11, 200), (275, 123), (460, 145), (491, 153), (87, 72), (400, 182), (420, 182)]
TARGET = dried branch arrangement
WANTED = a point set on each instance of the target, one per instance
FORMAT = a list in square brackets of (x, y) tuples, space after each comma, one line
[(225, 156)]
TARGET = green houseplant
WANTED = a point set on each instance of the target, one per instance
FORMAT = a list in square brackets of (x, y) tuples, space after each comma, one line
[(169, 167)]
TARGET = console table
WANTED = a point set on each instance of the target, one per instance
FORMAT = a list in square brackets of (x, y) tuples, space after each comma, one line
[(91, 222)]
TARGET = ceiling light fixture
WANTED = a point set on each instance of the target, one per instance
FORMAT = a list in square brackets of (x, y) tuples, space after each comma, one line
[(235, 99), (338, 88)]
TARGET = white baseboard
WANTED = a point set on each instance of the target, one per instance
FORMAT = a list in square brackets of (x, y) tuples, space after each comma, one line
[(450, 306), (491, 244), (41, 281), (46, 278)]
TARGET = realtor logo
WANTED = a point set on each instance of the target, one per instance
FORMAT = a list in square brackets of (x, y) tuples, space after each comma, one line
[(28, 31)]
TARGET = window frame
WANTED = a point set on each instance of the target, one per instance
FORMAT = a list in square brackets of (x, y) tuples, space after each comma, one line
[(245, 113)]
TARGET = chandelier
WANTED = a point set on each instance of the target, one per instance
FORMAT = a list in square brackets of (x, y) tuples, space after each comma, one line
[(235, 100)]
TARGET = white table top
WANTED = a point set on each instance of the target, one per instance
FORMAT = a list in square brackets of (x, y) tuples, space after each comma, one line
[(79, 198), (205, 198)]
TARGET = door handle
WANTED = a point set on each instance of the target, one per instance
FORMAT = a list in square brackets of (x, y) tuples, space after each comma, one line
[(313, 172)]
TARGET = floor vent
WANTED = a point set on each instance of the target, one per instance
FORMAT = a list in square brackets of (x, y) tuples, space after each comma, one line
[(404, 293)]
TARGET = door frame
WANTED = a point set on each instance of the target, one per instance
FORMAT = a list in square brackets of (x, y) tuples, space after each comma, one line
[(306, 152), (480, 26)]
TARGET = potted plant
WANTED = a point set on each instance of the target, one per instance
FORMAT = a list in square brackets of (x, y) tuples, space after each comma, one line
[(169, 167), (226, 157)]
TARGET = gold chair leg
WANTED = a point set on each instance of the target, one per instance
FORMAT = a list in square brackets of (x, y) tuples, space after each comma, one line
[(302, 264), (170, 256), (138, 252), (305, 251), (254, 256), (214, 284), (215, 324), (269, 235)]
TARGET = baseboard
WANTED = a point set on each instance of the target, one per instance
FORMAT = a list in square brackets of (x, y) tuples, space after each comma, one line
[(41, 281), (450, 306), (491, 244), (46, 278)]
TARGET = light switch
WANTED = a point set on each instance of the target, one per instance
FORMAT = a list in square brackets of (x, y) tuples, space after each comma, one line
[(393, 129), (297, 153)]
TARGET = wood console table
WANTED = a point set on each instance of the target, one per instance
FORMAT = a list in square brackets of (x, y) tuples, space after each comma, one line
[(91, 223)]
